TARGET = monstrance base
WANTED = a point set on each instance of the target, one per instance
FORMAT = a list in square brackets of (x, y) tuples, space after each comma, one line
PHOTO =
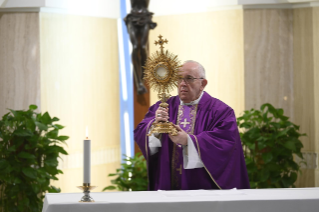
[(163, 127)]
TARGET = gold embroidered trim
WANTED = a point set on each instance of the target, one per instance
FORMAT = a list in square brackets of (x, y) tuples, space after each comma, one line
[(204, 164), (180, 113), (192, 117)]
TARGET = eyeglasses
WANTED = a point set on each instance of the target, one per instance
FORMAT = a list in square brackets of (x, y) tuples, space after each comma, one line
[(188, 79)]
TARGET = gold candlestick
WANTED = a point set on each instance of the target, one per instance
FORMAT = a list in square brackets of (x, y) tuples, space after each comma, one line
[(86, 188)]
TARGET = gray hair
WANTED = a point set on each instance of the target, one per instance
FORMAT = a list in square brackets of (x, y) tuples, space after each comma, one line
[(200, 68)]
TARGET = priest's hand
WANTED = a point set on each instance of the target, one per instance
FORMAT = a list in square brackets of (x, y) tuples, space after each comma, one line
[(161, 115), (180, 138)]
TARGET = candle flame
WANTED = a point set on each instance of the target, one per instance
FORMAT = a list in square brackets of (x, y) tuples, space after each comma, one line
[(87, 132)]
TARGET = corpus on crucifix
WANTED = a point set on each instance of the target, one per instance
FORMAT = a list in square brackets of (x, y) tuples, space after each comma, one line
[(139, 22)]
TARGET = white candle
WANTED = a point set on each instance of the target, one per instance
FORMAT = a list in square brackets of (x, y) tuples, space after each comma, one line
[(87, 159)]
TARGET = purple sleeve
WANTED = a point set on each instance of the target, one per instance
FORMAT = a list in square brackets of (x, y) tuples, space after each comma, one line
[(219, 147), (140, 133)]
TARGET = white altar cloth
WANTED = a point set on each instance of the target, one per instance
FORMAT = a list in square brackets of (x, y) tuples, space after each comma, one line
[(248, 200)]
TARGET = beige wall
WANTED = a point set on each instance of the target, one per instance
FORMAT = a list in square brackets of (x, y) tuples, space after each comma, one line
[(80, 85), (215, 39), (68, 66), (19, 61)]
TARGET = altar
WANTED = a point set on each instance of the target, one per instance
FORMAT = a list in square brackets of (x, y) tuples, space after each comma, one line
[(247, 200)]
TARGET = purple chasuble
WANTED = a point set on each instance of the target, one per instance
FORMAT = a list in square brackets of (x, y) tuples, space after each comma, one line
[(212, 127)]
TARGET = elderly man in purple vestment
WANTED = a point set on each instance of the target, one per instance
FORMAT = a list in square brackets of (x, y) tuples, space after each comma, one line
[(206, 153)]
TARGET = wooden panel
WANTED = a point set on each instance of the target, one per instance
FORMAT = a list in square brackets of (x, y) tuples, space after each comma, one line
[(215, 39), (304, 85), (19, 61), (80, 85), (268, 38), (315, 24), (304, 75)]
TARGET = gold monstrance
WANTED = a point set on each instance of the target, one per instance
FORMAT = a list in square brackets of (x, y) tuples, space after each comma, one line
[(162, 74)]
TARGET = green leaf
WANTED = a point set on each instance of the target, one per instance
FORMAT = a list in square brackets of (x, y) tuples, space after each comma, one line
[(33, 107), (280, 111), (25, 201), (284, 118), (264, 175), (29, 172), (17, 181), (14, 112), (265, 117), (275, 179), (63, 138), (53, 189), (55, 119), (3, 163), (52, 162), (22, 132), (245, 125), (26, 155), (293, 177), (267, 157), (57, 126), (41, 126), (253, 184), (261, 145), (53, 134), (12, 148), (299, 154), (46, 119), (109, 188), (30, 125), (38, 118), (290, 145), (283, 133), (59, 149), (286, 182)]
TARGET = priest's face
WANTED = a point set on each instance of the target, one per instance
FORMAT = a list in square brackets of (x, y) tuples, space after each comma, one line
[(192, 84)]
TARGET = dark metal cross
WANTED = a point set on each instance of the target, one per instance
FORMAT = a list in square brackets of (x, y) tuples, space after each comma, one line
[(161, 42)]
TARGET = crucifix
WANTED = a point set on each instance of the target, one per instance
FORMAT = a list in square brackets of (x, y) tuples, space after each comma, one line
[(185, 122), (180, 169)]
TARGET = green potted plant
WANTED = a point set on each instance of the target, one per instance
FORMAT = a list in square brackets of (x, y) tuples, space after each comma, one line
[(132, 176), (270, 141), (29, 151)]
